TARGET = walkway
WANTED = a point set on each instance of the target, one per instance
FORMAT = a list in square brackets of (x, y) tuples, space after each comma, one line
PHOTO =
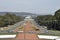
[(25, 35)]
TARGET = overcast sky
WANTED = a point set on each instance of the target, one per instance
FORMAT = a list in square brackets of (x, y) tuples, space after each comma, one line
[(32, 6)]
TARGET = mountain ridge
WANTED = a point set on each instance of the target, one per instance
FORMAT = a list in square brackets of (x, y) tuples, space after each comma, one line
[(17, 13)]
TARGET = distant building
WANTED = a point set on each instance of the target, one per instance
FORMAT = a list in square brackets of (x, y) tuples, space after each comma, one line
[(28, 18)]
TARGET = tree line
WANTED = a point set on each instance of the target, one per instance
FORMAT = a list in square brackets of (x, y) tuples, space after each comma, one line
[(52, 22), (9, 19)]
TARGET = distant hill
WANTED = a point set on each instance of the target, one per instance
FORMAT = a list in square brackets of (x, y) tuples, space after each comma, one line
[(19, 13)]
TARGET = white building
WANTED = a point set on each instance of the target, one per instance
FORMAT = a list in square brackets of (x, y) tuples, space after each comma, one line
[(28, 18)]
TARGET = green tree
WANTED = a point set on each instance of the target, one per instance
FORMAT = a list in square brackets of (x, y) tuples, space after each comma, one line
[(57, 15), (9, 19)]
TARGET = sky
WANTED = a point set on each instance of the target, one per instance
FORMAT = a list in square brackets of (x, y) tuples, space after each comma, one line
[(32, 6)]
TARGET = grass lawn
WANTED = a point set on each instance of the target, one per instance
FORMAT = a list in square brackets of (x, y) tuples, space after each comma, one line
[(7, 33), (52, 33)]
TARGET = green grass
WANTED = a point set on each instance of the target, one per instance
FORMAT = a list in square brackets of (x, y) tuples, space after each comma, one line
[(52, 33), (8, 33)]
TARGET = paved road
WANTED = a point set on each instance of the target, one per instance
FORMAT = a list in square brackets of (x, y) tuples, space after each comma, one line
[(25, 35)]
